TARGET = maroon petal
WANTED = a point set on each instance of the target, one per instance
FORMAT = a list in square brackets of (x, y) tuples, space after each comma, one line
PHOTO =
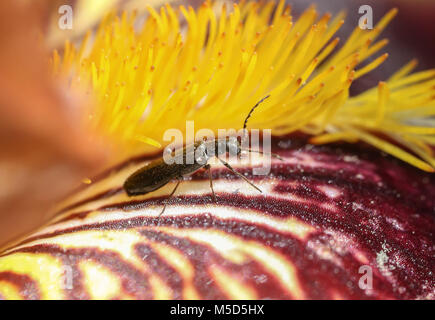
[(330, 217)]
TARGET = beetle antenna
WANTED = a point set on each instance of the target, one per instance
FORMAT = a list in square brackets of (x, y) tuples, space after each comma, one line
[(250, 112)]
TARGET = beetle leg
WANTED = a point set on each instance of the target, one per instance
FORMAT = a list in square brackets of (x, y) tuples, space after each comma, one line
[(239, 174), (207, 167), (169, 197)]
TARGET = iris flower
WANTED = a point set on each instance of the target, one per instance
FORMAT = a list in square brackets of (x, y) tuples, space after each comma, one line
[(354, 188)]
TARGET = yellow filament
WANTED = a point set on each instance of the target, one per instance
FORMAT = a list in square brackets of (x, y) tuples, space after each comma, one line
[(215, 69)]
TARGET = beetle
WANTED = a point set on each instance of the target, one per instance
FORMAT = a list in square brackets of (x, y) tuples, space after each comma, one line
[(158, 173)]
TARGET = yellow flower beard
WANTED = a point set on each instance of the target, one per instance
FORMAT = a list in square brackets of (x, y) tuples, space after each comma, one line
[(212, 67)]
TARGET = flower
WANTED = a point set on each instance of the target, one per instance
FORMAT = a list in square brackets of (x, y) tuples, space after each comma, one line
[(327, 210), (216, 68)]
